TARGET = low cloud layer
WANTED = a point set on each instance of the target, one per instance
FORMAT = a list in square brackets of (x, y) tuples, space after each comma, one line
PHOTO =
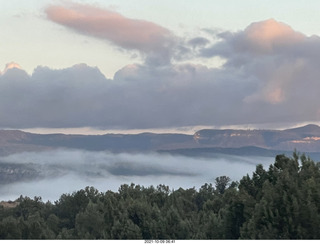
[(138, 97), (67, 171), (270, 75)]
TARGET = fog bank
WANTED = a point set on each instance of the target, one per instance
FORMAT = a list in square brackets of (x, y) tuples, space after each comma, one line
[(66, 171)]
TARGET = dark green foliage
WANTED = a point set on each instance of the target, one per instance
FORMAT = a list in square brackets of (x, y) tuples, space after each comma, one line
[(282, 202), (221, 183), (286, 200)]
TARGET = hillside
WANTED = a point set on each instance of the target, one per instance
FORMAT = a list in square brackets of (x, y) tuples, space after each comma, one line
[(303, 139)]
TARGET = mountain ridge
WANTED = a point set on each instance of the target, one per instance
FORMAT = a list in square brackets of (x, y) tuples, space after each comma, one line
[(304, 139)]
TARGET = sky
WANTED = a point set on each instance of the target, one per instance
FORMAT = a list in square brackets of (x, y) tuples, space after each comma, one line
[(93, 65)]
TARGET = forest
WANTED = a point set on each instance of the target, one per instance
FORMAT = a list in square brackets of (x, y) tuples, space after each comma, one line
[(281, 202)]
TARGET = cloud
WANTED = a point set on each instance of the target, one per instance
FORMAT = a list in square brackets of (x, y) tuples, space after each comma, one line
[(282, 61), (259, 39), (198, 41), (11, 65), (138, 97), (270, 34), (271, 75), (132, 34), (51, 97)]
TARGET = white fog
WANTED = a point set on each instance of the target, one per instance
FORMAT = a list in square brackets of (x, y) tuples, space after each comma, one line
[(66, 171)]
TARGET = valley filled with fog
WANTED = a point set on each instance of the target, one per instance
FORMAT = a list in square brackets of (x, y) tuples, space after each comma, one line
[(65, 171)]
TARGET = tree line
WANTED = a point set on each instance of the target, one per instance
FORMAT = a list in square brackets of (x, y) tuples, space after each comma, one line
[(281, 202)]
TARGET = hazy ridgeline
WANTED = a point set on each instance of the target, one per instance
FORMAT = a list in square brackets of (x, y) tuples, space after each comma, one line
[(64, 171)]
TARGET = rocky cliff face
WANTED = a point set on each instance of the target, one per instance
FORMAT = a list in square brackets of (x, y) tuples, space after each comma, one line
[(230, 138), (306, 139)]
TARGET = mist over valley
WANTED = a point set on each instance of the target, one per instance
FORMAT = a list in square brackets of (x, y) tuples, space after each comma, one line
[(52, 173), (53, 164)]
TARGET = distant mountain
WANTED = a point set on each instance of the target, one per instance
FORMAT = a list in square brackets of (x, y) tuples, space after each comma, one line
[(13, 141), (308, 130), (303, 139), (306, 138)]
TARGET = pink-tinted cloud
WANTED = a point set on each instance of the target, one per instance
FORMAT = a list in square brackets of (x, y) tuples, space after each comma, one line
[(144, 36), (268, 34), (11, 65), (273, 53), (258, 38)]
